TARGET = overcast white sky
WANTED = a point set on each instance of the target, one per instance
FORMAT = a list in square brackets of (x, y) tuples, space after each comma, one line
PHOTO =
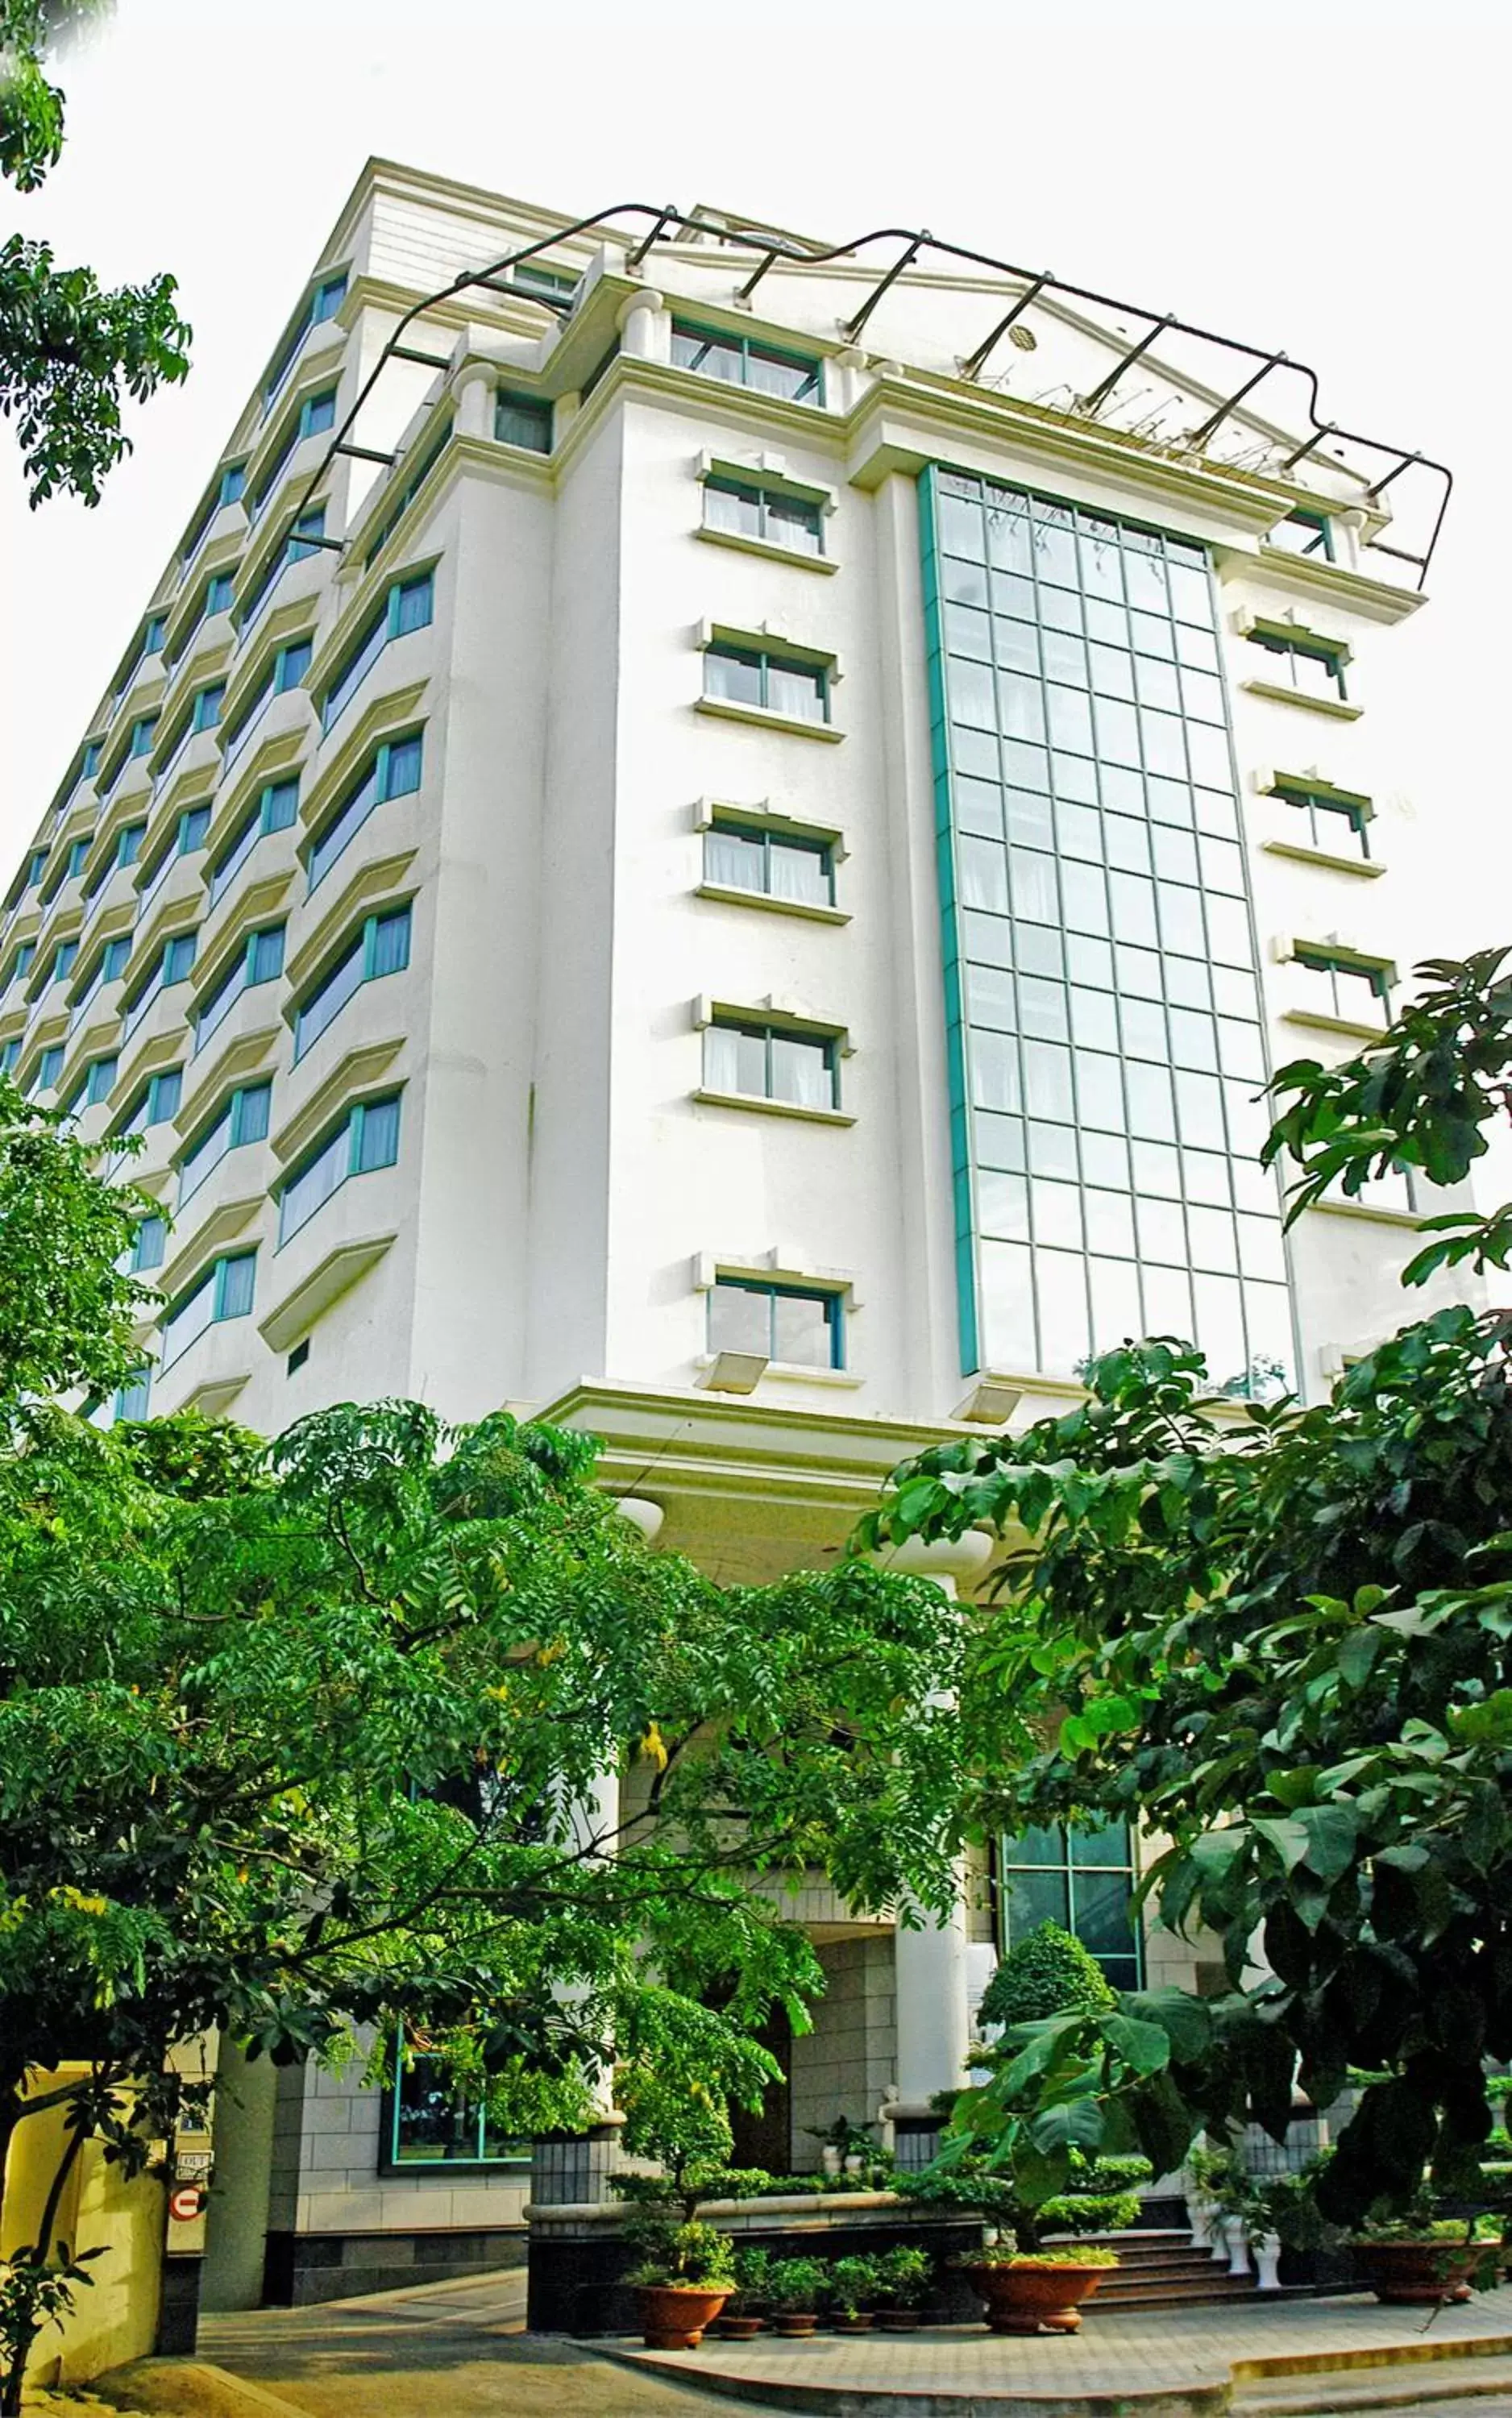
[(1326, 178)]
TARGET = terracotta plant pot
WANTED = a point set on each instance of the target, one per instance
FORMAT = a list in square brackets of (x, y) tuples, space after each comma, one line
[(861, 2323), (739, 2329), (1419, 2275), (1035, 2293), (673, 2316), (795, 2325), (897, 2322)]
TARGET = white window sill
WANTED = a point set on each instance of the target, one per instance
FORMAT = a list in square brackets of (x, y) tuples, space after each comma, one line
[(764, 719), (1368, 868), (771, 1108), (769, 548), (1337, 706), (731, 896), (795, 1372), (1407, 1218), (1317, 1022)]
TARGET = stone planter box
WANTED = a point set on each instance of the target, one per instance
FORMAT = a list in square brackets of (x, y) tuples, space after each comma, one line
[(579, 2254)]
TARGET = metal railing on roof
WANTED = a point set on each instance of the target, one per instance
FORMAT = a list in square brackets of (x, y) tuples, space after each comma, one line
[(664, 223)]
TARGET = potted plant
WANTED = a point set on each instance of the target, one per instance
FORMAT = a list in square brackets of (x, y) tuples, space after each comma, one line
[(853, 2289), (1420, 2261), (797, 2290), (744, 2312), (843, 2146), (905, 2278), (1026, 2290), (682, 2281)]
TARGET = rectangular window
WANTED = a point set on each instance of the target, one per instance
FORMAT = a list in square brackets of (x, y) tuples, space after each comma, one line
[(77, 854), (766, 513), (91, 761), (241, 1119), (225, 1291), (226, 490), (394, 772), (540, 278), (366, 1138), (144, 731), (523, 420), (203, 715), (150, 1248), (275, 811), (170, 964), (1083, 1880), (321, 305), (777, 683), (9, 1054), (1309, 665), (767, 1062), (382, 947), (186, 839), (260, 960), (1356, 994), (37, 868), (799, 1325), (315, 415), (771, 864), (741, 360), (296, 547), (63, 957), (407, 606), (156, 1103), (289, 669), (131, 1399), (48, 1068), (94, 1085), (108, 968), (1337, 825), (427, 2123)]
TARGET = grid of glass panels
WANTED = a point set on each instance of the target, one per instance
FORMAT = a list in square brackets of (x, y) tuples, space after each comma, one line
[(797, 1325), (1103, 993), (1082, 1880)]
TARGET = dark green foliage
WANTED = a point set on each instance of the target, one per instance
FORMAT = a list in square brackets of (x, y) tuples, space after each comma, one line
[(797, 2284), (1049, 1973), (67, 1314), (904, 2276), (72, 352)]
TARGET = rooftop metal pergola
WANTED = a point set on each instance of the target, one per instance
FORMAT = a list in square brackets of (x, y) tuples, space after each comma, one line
[(664, 223)]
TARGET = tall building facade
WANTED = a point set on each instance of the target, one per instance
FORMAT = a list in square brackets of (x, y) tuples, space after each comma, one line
[(725, 862)]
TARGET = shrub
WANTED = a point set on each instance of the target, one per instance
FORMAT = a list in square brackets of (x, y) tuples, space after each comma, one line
[(904, 2277), (1047, 1973), (853, 2286), (797, 2284), (753, 2280), (679, 2254)]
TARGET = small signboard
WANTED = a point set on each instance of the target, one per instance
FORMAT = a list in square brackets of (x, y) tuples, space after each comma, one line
[(186, 2202)]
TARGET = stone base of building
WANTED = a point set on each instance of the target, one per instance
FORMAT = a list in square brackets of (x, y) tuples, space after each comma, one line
[(304, 2268)]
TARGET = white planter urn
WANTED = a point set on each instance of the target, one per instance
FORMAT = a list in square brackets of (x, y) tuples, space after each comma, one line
[(1200, 2215), (1265, 2249), (1238, 2242), (854, 2163), (829, 2159)]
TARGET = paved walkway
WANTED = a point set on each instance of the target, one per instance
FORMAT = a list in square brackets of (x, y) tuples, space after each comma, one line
[(459, 2350)]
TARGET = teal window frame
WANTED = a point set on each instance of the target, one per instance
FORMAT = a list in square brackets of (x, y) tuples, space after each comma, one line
[(766, 662), (770, 1035), (774, 847), (77, 851), (523, 421), (48, 1068), (288, 670), (277, 809), (259, 960), (62, 963), (143, 736), (90, 763), (149, 1246), (131, 1399), (395, 770), (11, 1052), (243, 1117), (296, 547), (185, 839), (171, 964), (827, 1297), (1335, 967), (21, 964), (96, 1083), (203, 715), (561, 283), (315, 415), (1054, 1856), (155, 1103), (409, 605), (321, 303), (749, 351), (1299, 648), (1320, 542), (353, 1146), (1325, 813), (775, 510), (109, 964), (231, 1282), (227, 489), (364, 952), (442, 2106)]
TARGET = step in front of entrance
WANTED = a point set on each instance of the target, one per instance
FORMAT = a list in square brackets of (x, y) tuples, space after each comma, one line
[(1162, 2270)]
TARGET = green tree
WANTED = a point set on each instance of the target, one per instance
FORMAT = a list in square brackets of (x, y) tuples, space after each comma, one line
[(71, 350), (68, 1312), (1280, 1637)]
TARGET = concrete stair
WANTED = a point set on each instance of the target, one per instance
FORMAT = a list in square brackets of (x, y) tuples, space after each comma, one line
[(1159, 2270)]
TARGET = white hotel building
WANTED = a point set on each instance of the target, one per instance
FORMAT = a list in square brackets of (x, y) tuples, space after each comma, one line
[(722, 860)]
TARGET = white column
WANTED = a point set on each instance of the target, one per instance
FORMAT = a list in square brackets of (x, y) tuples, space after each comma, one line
[(645, 326), (475, 395), (929, 1965)]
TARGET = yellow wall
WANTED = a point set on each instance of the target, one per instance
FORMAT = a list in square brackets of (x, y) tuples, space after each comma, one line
[(116, 2314)]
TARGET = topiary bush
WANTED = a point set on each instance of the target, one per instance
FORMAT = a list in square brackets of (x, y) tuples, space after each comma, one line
[(1047, 1973)]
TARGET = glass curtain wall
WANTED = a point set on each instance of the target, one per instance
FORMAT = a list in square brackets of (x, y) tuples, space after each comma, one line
[(1102, 980)]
